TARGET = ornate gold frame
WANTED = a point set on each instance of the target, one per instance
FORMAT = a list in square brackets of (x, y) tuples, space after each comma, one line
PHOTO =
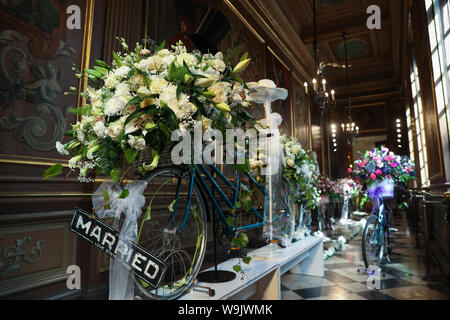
[(85, 59)]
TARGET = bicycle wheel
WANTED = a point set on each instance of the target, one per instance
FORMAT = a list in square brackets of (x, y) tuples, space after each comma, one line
[(283, 220), (169, 233), (374, 241)]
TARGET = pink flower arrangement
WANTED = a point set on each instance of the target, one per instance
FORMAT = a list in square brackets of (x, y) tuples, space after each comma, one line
[(380, 164)]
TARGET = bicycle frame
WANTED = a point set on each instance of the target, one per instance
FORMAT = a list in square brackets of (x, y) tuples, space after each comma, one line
[(196, 176), (382, 219)]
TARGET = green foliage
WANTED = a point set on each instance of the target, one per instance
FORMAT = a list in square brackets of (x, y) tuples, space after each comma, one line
[(131, 155), (53, 171), (124, 194), (241, 241), (115, 173)]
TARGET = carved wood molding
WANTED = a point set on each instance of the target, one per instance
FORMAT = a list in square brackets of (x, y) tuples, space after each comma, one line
[(286, 42)]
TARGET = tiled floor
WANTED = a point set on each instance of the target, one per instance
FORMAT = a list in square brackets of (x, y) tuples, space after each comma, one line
[(402, 279)]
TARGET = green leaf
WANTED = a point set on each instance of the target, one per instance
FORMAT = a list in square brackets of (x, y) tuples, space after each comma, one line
[(124, 194), (150, 126), (115, 175), (238, 79), (119, 62), (245, 189), (93, 73), (106, 195), (245, 56), (241, 241), (172, 119), (53, 171), (69, 133), (247, 260), (246, 202), (172, 204), (177, 73), (232, 221), (136, 114), (101, 63), (131, 155), (180, 89), (242, 168), (161, 46), (237, 268), (102, 70), (133, 101), (209, 95)]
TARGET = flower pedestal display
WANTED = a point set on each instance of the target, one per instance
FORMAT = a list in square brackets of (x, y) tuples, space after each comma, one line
[(265, 92), (302, 171), (346, 189)]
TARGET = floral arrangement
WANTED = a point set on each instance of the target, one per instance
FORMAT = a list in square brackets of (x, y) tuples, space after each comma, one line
[(346, 188), (136, 103), (326, 187), (302, 170), (381, 164)]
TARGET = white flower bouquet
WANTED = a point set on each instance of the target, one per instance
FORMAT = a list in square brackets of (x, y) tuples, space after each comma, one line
[(137, 102), (302, 170)]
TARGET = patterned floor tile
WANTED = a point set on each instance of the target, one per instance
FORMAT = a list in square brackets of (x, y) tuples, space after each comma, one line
[(296, 282), (403, 277), (343, 265), (345, 296), (440, 287), (355, 287), (352, 273), (416, 293), (290, 295), (334, 260), (375, 295), (337, 278), (321, 292), (392, 283)]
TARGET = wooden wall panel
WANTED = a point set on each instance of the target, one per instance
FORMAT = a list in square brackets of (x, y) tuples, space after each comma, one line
[(35, 254), (300, 109)]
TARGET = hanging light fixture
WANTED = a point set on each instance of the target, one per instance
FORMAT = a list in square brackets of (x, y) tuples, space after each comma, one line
[(321, 99), (350, 129)]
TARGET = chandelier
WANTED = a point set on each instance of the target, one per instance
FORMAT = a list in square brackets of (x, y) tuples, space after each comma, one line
[(320, 97), (350, 129)]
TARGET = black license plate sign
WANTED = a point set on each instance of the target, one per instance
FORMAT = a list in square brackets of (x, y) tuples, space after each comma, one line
[(139, 261)]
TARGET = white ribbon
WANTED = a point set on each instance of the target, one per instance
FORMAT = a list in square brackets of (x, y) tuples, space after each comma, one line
[(121, 284)]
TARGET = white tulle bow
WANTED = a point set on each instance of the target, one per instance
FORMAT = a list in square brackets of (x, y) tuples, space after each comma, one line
[(121, 284)]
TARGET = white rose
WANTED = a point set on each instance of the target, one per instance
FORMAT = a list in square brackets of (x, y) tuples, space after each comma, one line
[(114, 106), (100, 129), (111, 81), (163, 53), (137, 143), (155, 63), (219, 65), (115, 129), (290, 162), (122, 89), (158, 85), (188, 58), (122, 72), (221, 90), (295, 149)]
